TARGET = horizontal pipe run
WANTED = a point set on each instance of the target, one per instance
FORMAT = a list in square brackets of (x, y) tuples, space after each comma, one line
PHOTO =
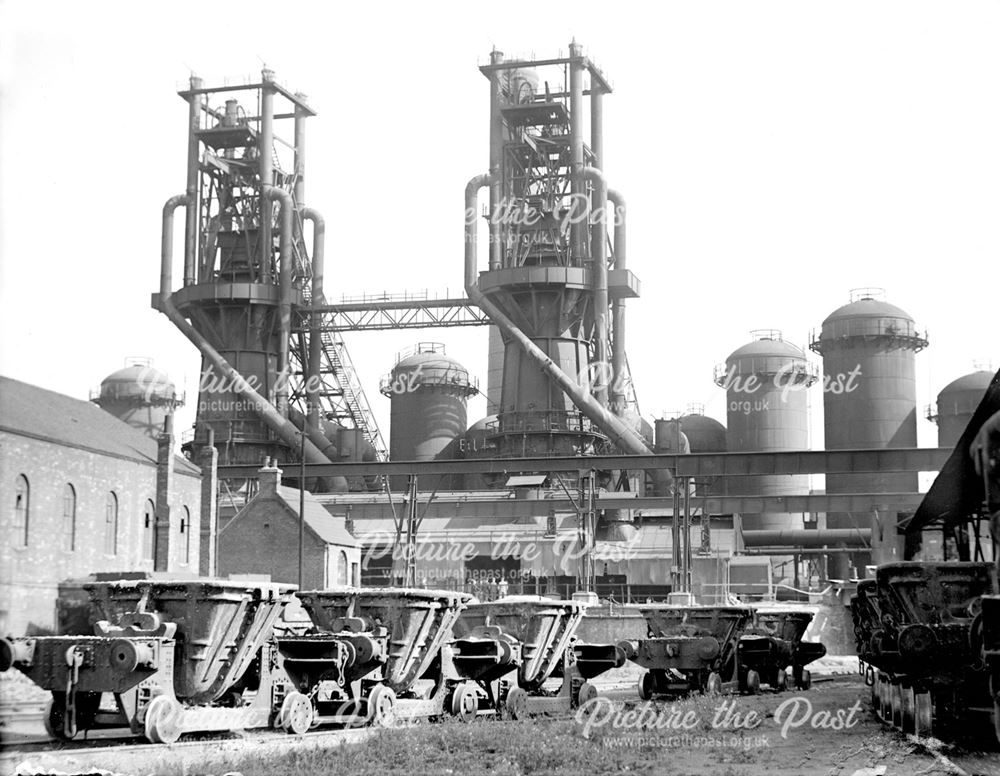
[(914, 459), (849, 537), (503, 507)]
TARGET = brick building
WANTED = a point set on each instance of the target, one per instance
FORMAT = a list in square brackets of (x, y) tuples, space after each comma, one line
[(83, 492), (263, 539)]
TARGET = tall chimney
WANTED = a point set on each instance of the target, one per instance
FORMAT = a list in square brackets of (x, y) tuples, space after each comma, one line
[(209, 462), (164, 492), (269, 478)]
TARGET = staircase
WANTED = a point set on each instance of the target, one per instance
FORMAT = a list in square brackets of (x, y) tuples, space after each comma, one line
[(341, 397)]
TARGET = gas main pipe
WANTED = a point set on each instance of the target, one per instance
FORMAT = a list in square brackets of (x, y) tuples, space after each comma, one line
[(618, 432), (281, 425), (287, 208), (618, 309), (598, 248), (315, 335)]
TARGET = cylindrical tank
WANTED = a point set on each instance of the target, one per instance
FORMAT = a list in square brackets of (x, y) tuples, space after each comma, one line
[(494, 369), (869, 401), (140, 395), (704, 434), (429, 392), (767, 410), (956, 404), (669, 438), (476, 444)]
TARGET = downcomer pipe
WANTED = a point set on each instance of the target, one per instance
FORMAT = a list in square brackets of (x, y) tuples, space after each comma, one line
[(618, 432), (599, 239), (618, 308), (327, 447), (287, 208), (281, 426), (195, 102), (577, 158), (315, 327), (265, 149)]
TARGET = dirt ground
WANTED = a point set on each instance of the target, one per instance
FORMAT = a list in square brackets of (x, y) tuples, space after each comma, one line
[(828, 731)]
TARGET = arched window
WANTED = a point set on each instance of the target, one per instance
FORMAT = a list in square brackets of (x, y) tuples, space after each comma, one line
[(22, 496), (111, 525), (149, 531), (342, 568), (186, 536), (69, 518)]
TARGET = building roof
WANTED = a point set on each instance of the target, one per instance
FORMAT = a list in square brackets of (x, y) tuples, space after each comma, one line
[(869, 308), (768, 347), (976, 382), (472, 527), (326, 527), (30, 411)]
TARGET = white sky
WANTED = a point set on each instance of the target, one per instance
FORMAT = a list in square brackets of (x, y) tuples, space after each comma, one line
[(774, 155)]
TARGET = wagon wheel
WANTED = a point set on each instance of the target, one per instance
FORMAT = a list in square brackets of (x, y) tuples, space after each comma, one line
[(885, 699), (163, 722), (994, 688), (646, 685), (516, 703), (587, 693), (381, 705), (55, 717), (908, 704), (804, 679), (781, 680), (896, 704), (751, 684), (714, 684), (923, 714), (465, 702), (296, 715)]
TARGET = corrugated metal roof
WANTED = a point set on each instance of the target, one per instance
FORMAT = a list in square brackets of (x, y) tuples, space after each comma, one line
[(655, 541), (462, 528), (31, 411), (651, 542), (527, 480), (327, 528)]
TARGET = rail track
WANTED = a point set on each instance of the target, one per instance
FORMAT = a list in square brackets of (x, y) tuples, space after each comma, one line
[(202, 755), (805, 747)]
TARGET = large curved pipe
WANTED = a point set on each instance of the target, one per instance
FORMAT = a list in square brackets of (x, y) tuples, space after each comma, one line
[(316, 319), (281, 425), (195, 102), (287, 207), (577, 157), (598, 247), (618, 308), (326, 446), (620, 434)]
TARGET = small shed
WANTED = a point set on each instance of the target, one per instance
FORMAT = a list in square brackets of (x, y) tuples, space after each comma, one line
[(263, 538)]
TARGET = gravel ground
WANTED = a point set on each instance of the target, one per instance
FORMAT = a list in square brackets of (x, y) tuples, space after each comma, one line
[(16, 688)]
